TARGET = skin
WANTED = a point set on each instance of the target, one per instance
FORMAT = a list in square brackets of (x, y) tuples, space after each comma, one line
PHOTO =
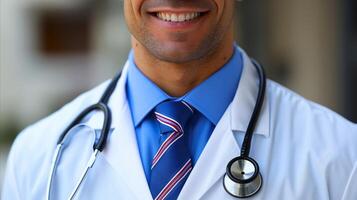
[(178, 56)]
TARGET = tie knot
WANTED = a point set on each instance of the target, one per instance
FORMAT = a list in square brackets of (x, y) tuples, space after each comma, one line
[(173, 115)]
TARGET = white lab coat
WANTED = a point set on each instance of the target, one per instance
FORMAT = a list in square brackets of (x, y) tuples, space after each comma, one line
[(304, 150)]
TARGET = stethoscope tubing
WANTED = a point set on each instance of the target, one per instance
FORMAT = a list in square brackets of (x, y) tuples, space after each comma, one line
[(245, 150)]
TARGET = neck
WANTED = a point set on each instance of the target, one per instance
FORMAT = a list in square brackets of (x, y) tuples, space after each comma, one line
[(176, 79)]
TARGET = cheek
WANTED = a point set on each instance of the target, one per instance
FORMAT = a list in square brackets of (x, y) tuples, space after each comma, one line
[(132, 10), (226, 11), (131, 14), (221, 4)]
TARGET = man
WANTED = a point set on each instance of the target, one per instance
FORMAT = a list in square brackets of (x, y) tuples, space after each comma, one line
[(180, 112)]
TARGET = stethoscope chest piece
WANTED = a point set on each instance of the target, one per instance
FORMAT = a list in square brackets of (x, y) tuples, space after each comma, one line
[(242, 178)]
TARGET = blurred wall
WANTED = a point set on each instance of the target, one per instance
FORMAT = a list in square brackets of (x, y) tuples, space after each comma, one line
[(298, 43), (46, 80), (51, 51), (38, 74)]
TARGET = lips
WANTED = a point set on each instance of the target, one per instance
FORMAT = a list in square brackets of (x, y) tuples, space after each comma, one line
[(167, 16), (178, 17), (174, 11)]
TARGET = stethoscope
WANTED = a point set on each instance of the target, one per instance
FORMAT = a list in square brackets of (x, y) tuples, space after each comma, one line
[(242, 178)]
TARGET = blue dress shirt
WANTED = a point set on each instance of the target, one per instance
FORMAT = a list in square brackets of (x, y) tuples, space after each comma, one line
[(211, 98)]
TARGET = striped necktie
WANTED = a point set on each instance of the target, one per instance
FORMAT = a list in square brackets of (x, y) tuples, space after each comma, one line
[(172, 163)]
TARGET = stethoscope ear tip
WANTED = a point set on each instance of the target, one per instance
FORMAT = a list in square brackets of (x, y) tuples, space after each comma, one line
[(242, 178)]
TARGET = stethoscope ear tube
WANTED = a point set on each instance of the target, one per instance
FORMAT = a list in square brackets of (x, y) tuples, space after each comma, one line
[(243, 178), (97, 147), (102, 106), (106, 126), (54, 164), (105, 129)]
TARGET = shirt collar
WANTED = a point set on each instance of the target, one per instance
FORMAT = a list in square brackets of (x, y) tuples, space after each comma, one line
[(211, 97), (143, 94)]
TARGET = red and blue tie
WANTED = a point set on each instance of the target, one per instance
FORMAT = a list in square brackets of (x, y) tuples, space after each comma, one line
[(172, 163)]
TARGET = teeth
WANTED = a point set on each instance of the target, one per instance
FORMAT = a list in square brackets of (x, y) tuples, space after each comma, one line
[(173, 17)]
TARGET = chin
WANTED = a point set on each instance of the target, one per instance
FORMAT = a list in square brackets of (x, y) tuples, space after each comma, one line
[(178, 53)]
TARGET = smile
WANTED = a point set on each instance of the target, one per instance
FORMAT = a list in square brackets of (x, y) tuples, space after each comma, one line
[(177, 17)]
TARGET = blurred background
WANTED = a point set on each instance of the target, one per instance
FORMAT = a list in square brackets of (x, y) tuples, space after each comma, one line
[(51, 51)]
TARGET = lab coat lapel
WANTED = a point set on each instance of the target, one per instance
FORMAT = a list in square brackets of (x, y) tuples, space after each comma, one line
[(123, 155), (121, 151), (223, 145), (211, 165)]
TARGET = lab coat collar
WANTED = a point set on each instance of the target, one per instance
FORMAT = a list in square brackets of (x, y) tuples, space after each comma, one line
[(245, 100)]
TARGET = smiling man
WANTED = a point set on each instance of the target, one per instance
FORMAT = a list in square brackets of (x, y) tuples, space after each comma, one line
[(178, 44), (177, 117)]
